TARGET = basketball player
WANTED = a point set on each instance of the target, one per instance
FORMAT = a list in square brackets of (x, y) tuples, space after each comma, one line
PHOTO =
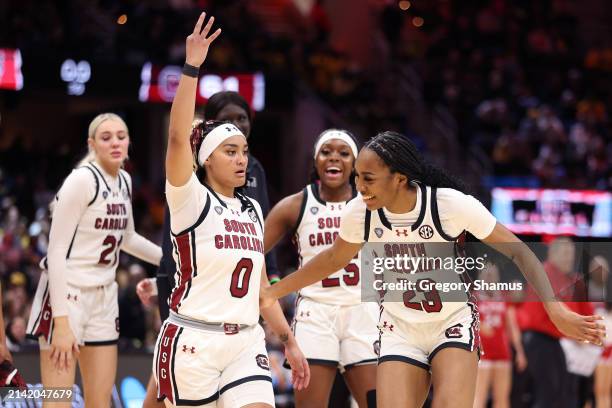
[(423, 340), (223, 106), (497, 320), (211, 350), (331, 325), (75, 313)]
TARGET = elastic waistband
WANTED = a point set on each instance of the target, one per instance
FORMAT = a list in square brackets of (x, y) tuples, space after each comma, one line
[(227, 328)]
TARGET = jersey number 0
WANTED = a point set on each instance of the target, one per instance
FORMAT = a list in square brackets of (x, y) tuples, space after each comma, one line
[(241, 278)]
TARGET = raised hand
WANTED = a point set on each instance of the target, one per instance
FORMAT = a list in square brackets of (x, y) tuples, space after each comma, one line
[(197, 43)]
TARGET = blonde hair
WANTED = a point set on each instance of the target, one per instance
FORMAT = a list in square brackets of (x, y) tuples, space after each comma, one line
[(91, 133)]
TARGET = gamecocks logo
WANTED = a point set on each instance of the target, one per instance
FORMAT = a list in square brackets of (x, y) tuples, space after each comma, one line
[(314, 210), (378, 232), (426, 232), (454, 332), (218, 209), (262, 361)]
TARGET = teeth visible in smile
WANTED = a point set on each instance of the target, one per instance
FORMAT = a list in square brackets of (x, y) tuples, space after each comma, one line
[(368, 197)]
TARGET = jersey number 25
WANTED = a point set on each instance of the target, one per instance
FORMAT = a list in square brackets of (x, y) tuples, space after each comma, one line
[(350, 277)]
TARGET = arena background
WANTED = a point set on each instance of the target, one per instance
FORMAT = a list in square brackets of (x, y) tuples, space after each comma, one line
[(505, 94)]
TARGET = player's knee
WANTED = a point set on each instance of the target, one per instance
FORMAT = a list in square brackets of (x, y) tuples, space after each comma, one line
[(371, 398)]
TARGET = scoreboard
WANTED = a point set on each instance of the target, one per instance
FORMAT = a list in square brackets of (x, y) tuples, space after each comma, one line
[(584, 213)]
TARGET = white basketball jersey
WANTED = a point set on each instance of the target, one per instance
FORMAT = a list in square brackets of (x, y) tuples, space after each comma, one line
[(93, 254), (219, 263), (318, 226), (419, 240)]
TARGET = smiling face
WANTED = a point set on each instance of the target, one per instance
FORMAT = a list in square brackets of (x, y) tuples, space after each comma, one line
[(377, 185), (236, 115), (334, 163), (227, 164), (110, 144)]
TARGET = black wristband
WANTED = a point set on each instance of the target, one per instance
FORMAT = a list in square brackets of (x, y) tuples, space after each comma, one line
[(191, 71)]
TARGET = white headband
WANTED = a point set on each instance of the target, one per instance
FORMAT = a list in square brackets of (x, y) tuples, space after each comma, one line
[(215, 138), (336, 134)]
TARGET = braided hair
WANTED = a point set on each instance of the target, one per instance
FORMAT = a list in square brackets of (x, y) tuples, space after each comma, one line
[(199, 130), (402, 156)]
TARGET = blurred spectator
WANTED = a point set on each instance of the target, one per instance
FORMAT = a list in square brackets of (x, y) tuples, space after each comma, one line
[(599, 271), (132, 319), (550, 381), (16, 334)]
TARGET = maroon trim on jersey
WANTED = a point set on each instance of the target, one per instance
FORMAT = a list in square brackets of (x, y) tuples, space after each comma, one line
[(45, 318), (475, 326), (165, 362), (186, 251)]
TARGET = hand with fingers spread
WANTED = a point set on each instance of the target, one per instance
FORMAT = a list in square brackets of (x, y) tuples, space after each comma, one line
[(587, 329), (145, 289), (64, 346), (300, 370), (197, 43)]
